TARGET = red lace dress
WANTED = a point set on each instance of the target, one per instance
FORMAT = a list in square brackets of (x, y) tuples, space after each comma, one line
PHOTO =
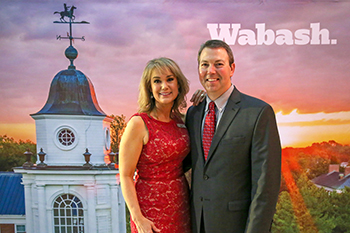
[(161, 186)]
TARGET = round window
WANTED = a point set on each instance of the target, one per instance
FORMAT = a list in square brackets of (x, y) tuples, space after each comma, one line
[(66, 138)]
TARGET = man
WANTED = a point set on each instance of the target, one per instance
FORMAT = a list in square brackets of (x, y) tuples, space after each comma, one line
[(235, 188)]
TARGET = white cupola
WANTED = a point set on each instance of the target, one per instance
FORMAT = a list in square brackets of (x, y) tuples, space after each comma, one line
[(74, 185), (71, 122)]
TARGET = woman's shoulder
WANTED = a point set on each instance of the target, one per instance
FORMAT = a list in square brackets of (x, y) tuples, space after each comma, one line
[(135, 129), (141, 118), (135, 120), (139, 115)]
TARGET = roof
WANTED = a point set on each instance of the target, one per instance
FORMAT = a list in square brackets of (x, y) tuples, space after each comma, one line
[(71, 93), (11, 194), (346, 183), (331, 180)]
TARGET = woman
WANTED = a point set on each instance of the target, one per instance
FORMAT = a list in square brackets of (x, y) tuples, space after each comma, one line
[(154, 143)]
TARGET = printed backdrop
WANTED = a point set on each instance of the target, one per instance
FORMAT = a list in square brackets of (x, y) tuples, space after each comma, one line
[(292, 54)]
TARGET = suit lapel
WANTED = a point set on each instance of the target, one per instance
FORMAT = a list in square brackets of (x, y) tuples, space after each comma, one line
[(197, 126), (229, 114)]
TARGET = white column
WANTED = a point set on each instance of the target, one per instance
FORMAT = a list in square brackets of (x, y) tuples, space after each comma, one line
[(121, 210), (41, 208), (114, 208), (28, 205), (91, 208)]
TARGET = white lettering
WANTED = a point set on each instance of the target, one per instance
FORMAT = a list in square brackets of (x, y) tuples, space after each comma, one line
[(317, 33), (302, 36), (264, 37), (232, 33), (229, 38), (246, 36), (284, 36)]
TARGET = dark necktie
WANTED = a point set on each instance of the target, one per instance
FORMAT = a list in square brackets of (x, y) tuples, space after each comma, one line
[(208, 129)]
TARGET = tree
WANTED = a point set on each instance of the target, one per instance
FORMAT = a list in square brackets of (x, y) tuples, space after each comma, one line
[(314, 166), (284, 219), (341, 210), (315, 209), (12, 152), (117, 129), (317, 201)]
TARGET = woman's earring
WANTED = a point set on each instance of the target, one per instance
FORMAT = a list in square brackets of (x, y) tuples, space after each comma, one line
[(152, 96)]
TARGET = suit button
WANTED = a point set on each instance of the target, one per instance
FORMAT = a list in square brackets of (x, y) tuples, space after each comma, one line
[(206, 177), (202, 198)]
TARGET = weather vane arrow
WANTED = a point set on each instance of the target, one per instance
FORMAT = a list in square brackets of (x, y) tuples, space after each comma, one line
[(69, 13)]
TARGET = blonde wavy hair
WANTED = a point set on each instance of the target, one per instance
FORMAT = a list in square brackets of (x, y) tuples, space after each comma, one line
[(163, 64)]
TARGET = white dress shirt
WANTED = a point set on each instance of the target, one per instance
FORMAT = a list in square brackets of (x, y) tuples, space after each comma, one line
[(220, 104)]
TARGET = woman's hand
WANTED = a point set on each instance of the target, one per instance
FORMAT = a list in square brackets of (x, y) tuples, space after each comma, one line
[(144, 225), (197, 97)]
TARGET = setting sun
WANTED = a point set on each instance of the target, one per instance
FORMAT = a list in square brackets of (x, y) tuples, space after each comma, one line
[(299, 130)]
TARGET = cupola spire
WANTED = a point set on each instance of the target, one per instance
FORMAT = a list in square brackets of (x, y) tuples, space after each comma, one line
[(71, 92), (71, 53)]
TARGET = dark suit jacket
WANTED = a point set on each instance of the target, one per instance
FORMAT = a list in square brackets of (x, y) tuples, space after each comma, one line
[(236, 188)]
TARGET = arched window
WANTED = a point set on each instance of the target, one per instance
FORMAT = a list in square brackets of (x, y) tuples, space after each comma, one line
[(68, 214)]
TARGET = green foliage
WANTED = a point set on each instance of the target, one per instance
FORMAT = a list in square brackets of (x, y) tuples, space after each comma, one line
[(284, 219), (314, 166), (308, 208), (117, 129), (12, 152), (318, 204), (333, 151), (341, 210)]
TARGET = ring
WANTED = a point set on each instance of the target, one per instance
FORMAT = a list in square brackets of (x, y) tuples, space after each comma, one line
[(202, 94)]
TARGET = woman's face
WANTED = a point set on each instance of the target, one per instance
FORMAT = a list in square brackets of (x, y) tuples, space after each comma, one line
[(164, 86)]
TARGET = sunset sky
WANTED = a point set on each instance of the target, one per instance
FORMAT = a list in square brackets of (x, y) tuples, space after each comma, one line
[(307, 85)]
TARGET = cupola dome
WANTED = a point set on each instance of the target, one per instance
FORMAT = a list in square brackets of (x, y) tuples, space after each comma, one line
[(71, 93)]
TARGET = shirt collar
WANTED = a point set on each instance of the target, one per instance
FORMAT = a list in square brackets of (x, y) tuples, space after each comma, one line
[(220, 102)]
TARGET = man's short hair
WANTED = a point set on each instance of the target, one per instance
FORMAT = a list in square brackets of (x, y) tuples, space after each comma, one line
[(217, 44)]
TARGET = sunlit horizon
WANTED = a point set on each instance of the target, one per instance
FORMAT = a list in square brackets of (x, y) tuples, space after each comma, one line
[(295, 129), (301, 130)]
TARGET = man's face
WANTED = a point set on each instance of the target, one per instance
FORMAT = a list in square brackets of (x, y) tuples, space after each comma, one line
[(215, 71)]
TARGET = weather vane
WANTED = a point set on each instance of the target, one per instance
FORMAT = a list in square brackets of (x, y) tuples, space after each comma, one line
[(71, 53)]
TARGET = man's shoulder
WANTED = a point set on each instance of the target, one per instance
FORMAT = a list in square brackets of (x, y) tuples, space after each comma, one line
[(252, 101), (192, 109)]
